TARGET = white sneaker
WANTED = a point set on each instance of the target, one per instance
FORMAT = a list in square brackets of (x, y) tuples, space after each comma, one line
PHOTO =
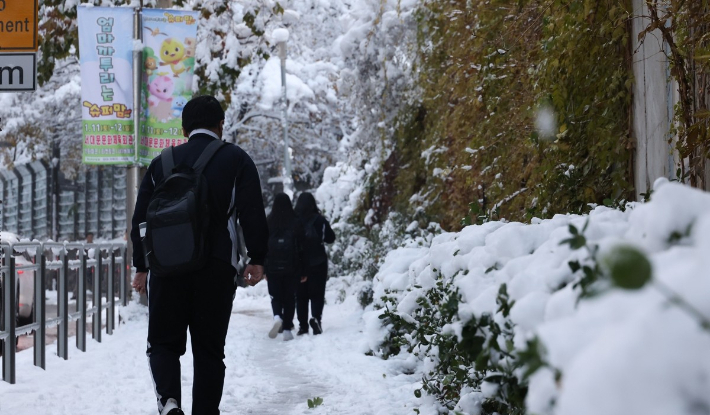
[(275, 329), (288, 335), (171, 408)]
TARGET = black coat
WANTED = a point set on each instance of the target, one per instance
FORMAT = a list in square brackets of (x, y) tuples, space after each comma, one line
[(233, 182), (325, 234)]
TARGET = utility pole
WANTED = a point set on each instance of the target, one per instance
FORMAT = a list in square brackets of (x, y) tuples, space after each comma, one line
[(133, 174), (287, 177)]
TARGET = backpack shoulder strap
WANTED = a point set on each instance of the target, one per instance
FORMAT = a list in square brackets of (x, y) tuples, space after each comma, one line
[(166, 157), (207, 154)]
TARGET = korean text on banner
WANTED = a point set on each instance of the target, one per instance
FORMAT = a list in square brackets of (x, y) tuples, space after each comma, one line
[(169, 63), (106, 50)]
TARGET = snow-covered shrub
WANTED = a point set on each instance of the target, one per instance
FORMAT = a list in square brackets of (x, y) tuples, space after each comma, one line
[(362, 245), (605, 313), (361, 249)]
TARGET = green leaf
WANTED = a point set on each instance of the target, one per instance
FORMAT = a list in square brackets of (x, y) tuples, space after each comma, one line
[(628, 267), (492, 268), (315, 402), (575, 242), (418, 393), (481, 362)]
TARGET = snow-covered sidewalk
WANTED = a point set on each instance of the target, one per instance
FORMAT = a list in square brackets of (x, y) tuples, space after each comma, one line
[(264, 376)]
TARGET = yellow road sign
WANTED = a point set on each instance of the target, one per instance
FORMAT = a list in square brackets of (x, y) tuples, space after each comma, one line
[(18, 25)]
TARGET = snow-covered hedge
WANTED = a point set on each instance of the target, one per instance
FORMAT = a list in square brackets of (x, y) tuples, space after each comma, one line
[(361, 247), (532, 318)]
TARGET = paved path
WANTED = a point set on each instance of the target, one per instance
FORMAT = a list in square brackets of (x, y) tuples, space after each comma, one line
[(283, 387), (264, 376)]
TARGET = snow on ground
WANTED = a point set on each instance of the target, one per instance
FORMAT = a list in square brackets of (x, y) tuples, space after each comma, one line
[(622, 352), (264, 376)]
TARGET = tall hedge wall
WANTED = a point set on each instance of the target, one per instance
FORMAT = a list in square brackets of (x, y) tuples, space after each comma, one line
[(487, 69)]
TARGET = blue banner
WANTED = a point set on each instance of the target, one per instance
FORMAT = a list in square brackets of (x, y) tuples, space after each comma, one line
[(106, 51)]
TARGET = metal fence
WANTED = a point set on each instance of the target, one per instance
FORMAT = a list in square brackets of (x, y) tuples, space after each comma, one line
[(105, 262), (38, 202)]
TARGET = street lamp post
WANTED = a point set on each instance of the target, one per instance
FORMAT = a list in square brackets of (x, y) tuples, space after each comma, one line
[(287, 178)]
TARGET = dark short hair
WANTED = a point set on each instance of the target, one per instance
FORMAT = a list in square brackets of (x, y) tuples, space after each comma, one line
[(202, 112)]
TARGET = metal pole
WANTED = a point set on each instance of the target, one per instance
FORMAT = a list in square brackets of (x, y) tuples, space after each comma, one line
[(97, 303), (9, 290), (122, 275), (81, 304), (287, 181), (40, 310), (133, 173), (55, 190), (111, 314), (63, 300)]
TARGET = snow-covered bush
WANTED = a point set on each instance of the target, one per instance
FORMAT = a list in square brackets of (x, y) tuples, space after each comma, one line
[(605, 313), (362, 245)]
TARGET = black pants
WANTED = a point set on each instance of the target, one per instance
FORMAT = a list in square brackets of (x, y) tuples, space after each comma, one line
[(312, 290), (282, 290), (201, 302)]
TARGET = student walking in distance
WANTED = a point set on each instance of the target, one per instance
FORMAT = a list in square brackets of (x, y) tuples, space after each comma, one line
[(317, 231), (183, 238), (284, 264)]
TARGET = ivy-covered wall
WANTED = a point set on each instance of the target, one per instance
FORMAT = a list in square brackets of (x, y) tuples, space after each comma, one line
[(489, 70)]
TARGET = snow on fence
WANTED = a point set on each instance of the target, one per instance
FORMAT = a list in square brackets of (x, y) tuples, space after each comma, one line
[(38, 202), (64, 259)]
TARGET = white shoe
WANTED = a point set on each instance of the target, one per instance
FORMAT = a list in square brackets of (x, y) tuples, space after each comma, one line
[(171, 408), (288, 335), (275, 329)]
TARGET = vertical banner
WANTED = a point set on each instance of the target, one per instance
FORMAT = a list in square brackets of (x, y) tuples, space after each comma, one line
[(169, 39), (106, 50)]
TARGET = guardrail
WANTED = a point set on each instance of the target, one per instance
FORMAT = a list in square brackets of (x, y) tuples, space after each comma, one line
[(49, 256)]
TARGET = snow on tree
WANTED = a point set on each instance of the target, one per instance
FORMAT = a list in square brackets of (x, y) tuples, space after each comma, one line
[(236, 61)]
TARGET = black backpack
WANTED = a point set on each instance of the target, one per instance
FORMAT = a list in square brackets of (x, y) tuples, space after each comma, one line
[(282, 254), (314, 244), (178, 219)]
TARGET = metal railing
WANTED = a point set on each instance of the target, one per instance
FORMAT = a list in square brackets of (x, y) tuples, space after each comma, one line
[(53, 256)]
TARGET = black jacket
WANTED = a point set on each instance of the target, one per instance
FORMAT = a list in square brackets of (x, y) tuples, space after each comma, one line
[(233, 182), (324, 231)]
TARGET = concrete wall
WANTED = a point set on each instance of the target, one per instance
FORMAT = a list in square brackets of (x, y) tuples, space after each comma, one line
[(653, 99)]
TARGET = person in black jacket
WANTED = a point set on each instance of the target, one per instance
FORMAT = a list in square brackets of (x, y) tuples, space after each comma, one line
[(318, 232), (202, 300), (284, 264)]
